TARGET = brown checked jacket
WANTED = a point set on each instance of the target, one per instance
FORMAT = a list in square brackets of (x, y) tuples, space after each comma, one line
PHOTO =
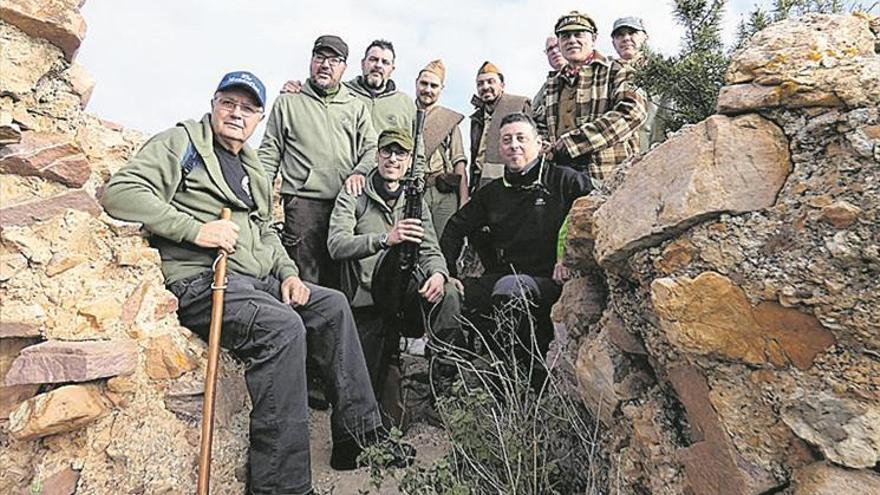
[(609, 110)]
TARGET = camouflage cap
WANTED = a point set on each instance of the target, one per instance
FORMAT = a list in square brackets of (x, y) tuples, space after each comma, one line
[(575, 21), (400, 137)]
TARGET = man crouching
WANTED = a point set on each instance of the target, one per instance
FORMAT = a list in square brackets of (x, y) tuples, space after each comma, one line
[(176, 186), (362, 229)]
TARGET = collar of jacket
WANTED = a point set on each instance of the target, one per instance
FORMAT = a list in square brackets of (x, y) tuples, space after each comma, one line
[(201, 135), (373, 194), (531, 179), (483, 107), (360, 86), (342, 95)]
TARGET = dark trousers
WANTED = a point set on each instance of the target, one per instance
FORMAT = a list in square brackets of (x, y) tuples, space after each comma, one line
[(270, 337), (380, 339), (306, 223), (487, 294)]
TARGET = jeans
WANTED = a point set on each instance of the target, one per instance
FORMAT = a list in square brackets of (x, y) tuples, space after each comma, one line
[(270, 337)]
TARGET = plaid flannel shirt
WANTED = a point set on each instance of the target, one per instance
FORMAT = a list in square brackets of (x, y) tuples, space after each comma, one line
[(609, 110)]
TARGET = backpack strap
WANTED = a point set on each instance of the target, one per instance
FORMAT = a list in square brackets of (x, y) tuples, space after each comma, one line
[(191, 159)]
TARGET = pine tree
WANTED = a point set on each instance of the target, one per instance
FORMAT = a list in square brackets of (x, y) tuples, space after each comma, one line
[(687, 84)]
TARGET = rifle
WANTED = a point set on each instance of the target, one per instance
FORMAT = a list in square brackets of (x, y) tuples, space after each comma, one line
[(397, 266), (413, 191)]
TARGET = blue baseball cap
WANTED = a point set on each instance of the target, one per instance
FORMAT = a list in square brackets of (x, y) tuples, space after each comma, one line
[(245, 80)]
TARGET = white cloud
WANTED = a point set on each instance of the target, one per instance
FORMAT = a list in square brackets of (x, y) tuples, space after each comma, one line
[(158, 62)]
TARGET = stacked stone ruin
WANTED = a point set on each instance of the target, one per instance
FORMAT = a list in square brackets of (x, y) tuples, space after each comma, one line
[(101, 387)]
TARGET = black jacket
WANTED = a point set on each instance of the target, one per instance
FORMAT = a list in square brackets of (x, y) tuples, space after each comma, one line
[(523, 218)]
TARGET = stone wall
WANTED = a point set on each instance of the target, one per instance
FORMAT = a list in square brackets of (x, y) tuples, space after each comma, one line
[(101, 389), (728, 334)]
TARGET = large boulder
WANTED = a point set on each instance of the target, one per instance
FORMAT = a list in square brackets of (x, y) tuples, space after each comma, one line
[(57, 21), (722, 165), (817, 61)]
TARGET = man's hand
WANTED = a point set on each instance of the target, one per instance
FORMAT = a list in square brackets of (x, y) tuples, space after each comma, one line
[(407, 229), (432, 289), (294, 291), (457, 284), (559, 148), (355, 184), (221, 234), (291, 87), (560, 273)]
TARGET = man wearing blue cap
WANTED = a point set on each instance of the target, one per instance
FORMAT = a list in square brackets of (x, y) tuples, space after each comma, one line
[(176, 186)]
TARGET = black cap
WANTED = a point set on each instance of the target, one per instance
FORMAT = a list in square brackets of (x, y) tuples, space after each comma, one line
[(332, 43)]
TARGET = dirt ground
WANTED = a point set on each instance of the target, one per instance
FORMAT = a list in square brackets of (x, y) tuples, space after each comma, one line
[(429, 441)]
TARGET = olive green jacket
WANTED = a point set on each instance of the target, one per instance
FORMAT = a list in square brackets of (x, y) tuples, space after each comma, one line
[(317, 142), (389, 109), (172, 205), (356, 226)]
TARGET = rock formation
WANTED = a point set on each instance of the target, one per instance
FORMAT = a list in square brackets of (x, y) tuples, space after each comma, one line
[(725, 331), (100, 387), (737, 351)]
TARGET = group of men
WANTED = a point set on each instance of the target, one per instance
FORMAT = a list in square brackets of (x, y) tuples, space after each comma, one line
[(342, 150)]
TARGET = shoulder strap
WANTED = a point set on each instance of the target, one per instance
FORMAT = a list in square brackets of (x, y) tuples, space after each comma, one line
[(191, 159)]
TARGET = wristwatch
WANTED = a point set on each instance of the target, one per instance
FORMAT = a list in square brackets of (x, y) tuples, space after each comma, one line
[(383, 240)]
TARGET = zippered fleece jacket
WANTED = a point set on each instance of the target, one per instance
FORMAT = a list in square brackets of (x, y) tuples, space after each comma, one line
[(355, 238), (154, 189), (390, 109), (317, 142)]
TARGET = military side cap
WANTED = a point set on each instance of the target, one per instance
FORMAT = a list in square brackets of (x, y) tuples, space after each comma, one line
[(437, 68), (488, 68), (400, 137), (332, 43), (575, 21), (629, 22)]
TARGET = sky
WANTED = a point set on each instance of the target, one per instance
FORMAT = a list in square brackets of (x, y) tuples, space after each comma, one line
[(157, 62)]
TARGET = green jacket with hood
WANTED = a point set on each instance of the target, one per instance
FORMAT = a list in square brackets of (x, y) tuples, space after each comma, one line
[(154, 190), (389, 109), (356, 226), (317, 142)]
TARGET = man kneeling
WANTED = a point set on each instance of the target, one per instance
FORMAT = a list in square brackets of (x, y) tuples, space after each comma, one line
[(176, 186), (364, 228), (523, 211)]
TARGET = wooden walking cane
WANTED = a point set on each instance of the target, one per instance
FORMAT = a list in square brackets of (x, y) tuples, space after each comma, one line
[(218, 287)]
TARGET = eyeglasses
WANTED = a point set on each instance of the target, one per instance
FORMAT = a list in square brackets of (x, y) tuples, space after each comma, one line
[(332, 61), (387, 152), (551, 49), (228, 104)]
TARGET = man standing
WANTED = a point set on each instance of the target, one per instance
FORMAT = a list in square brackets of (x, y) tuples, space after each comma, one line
[(629, 39), (363, 228), (556, 61), (492, 105), (592, 109), (319, 138), (389, 107), (445, 174), (176, 186), (523, 211)]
